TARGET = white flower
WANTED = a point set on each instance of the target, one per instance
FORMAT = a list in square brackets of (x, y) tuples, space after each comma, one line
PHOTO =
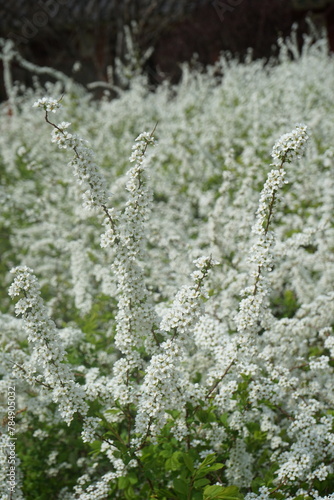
[(253, 311), (290, 146), (48, 104), (49, 352)]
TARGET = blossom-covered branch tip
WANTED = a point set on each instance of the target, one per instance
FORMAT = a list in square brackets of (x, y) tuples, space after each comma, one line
[(290, 146), (48, 104)]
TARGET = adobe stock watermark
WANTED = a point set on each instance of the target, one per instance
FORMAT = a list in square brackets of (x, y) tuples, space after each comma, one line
[(30, 27), (221, 7), (8, 440)]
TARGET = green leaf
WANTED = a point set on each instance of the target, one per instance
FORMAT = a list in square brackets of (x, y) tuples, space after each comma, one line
[(221, 493), (166, 453), (209, 459), (207, 466), (123, 482), (174, 463), (113, 411), (133, 478), (188, 461), (174, 413), (164, 493), (205, 416), (204, 471), (224, 419), (129, 493), (201, 482), (96, 447), (180, 486), (212, 492), (216, 466)]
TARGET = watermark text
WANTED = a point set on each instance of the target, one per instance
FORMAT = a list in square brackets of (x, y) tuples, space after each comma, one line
[(29, 27), (8, 441)]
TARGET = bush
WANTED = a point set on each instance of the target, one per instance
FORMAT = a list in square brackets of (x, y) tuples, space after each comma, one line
[(187, 353)]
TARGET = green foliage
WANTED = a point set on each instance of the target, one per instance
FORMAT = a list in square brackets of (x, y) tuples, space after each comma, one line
[(164, 463), (34, 453), (229, 493), (285, 305)]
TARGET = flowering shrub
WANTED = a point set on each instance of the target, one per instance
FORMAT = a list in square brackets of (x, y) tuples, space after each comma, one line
[(169, 324)]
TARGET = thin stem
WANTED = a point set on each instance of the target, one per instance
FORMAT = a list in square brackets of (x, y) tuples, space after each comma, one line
[(266, 229), (219, 380)]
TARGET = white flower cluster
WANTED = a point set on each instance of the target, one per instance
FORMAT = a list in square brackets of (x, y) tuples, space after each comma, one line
[(139, 205), (139, 149), (135, 317), (239, 465), (312, 445), (160, 391), (253, 311), (64, 139), (87, 173), (156, 362), (79, 270), (48, 350), (290, 146), (164, 385), (48, 104), (83, 163), (96, 490), (264, 494), (90, 426), (185, 309)]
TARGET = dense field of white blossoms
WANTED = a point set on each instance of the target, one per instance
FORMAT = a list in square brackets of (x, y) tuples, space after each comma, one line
[(167, 321)]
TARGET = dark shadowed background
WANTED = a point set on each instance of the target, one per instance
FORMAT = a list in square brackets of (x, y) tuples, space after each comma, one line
[(58, 33)]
